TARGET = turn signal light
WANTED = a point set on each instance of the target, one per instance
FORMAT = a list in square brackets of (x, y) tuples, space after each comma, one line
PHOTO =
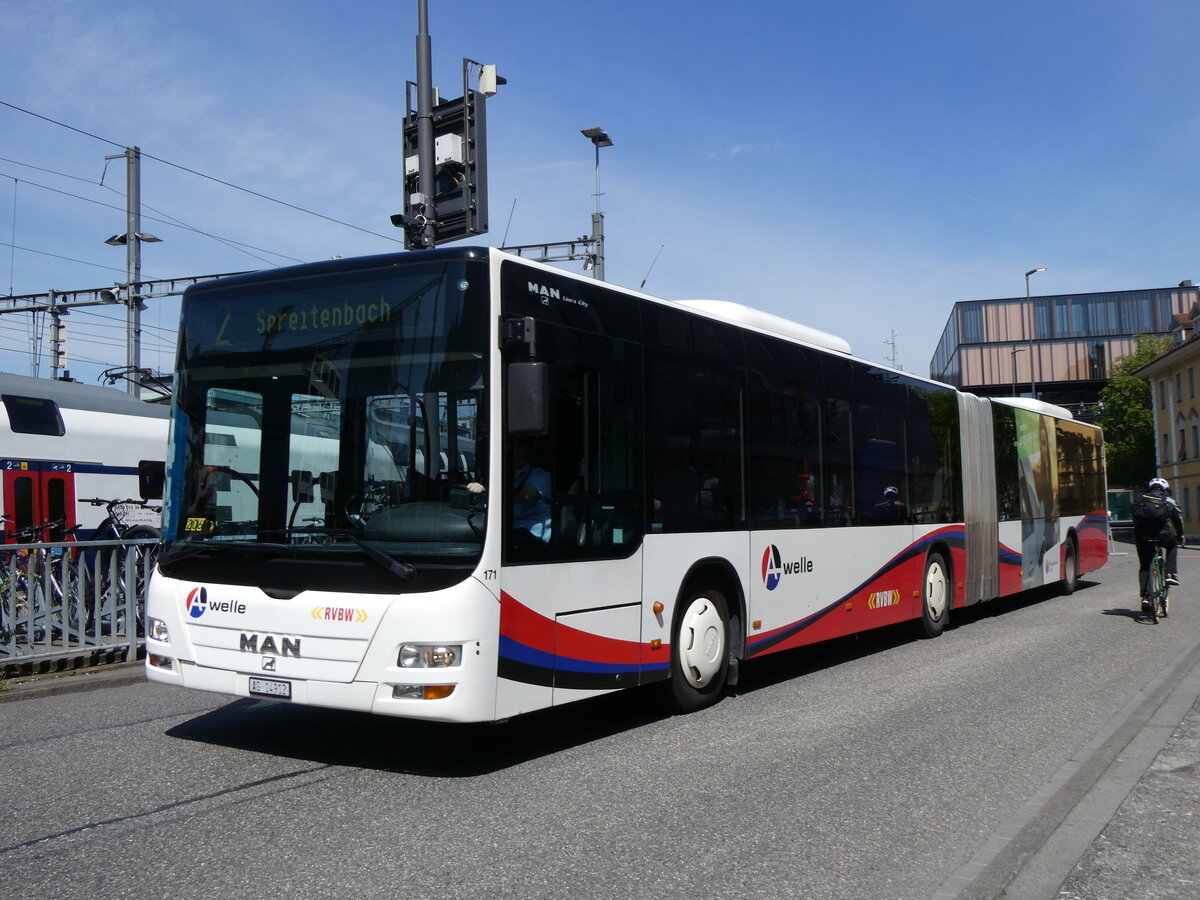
[(422, 691)]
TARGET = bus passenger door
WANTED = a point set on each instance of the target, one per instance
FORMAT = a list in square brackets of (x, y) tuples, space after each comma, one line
[(38, 494), (571, 573)]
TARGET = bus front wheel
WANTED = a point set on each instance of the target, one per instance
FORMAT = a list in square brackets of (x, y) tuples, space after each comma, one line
[(700, 652), (936, 595)]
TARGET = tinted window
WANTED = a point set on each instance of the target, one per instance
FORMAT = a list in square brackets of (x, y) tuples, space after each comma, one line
[(880, 409), (33, 415), (783, 434), (694, 432)]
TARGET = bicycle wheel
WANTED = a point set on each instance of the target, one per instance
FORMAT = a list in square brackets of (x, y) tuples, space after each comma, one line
[(53, 596), (1158, 584), (1163, 596)]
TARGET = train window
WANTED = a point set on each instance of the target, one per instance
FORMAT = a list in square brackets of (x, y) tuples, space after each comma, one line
[(33, 415)]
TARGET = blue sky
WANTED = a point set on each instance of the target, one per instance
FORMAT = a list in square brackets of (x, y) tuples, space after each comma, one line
[(856, 166)]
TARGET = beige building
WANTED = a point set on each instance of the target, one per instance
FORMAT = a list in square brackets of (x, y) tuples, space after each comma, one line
[(1173, 382)]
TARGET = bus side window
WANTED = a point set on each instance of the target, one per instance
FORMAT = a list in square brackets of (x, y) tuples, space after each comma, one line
[(783, 434), (694, 448)]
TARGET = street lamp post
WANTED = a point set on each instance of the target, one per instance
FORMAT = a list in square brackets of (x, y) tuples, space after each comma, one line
[(1032, 320), (599, 138), (1015, 351)]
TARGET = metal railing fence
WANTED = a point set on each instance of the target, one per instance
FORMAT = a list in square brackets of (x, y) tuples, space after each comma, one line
[(73, 598)]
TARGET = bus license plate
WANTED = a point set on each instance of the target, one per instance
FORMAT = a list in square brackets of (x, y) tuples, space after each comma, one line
[(269, 687)]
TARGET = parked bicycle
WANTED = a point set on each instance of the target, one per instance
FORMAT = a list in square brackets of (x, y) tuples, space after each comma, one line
[(36, 583), (121, 524)]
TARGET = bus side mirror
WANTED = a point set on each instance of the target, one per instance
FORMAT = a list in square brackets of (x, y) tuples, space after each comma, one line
[(152, 473), (528, 392)]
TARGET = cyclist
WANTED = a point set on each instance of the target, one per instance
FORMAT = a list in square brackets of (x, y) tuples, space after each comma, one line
[(1154, 516)]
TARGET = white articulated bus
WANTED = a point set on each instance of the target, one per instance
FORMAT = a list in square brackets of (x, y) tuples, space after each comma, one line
[(62, 441), (457, 485)]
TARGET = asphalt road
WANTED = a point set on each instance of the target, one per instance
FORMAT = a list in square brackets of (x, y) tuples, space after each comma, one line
[(885, 766)]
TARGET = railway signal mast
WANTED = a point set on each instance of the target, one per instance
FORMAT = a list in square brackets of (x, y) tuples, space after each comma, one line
[(445, 153)]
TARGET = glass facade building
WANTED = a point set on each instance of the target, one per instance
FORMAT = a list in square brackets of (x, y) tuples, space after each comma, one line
[(1059, 348)]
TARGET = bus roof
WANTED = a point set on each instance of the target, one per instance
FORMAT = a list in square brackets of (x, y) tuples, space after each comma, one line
[(1037, 406), (764, 321)]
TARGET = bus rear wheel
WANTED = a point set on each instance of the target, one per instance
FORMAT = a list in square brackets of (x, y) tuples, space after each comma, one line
[(1070, 569), (936, 595), (700, 652)]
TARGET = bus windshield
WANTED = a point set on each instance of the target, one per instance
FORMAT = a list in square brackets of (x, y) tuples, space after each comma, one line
[(336, 418)]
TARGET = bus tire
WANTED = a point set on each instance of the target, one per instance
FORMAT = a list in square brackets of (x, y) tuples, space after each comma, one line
[(1070, 569), (936, 595), (700, 652)]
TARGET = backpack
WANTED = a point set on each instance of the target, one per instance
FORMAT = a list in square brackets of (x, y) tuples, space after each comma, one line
[(1151, 511)]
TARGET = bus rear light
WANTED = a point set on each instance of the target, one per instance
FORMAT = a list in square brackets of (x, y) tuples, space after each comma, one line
[(422, 691), (161, 662)]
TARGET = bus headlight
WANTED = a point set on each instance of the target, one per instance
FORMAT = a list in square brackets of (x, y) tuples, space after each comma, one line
[(429, 656), (156, 630)]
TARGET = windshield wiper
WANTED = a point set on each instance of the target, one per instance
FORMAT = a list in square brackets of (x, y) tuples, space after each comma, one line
[(403, 571)]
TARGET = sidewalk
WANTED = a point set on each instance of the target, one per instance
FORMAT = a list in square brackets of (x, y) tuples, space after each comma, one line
[(1120, 819), (90, 678), (1149, 847)]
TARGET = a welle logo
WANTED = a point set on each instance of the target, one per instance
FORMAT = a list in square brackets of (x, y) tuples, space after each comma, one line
[(774, 569), (197, 604)]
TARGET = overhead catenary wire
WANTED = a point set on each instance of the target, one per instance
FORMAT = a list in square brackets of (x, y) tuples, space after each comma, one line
[(13, 245), (199, 174)]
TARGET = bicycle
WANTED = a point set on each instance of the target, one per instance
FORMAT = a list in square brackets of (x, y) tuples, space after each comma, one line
[(110, 566), (1156, 603), (15, 617), (36, 584)]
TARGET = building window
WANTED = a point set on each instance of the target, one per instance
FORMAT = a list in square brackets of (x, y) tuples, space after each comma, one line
[(1181, 450), (1162, 394), (1187, 503), (1178, 387), (1166, 448), (1191, 382)]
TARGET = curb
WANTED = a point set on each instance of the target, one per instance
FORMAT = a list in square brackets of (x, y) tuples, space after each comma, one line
[(110, 675)]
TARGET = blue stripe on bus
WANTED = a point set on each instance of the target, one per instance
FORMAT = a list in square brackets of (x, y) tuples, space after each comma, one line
[(517, 652)]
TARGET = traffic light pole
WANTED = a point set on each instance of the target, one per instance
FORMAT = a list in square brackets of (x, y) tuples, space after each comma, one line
[(425, 150)]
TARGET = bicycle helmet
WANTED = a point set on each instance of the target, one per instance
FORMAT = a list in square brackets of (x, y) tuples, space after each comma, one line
[(1160, 483), (890, 491)]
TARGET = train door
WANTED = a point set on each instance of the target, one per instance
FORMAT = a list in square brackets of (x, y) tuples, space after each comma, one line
[(38, 493)]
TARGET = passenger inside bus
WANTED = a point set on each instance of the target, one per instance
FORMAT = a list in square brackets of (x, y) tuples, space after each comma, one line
[(531, 493)]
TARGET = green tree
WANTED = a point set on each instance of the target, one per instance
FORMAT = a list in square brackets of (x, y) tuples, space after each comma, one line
[(1128, 417)]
